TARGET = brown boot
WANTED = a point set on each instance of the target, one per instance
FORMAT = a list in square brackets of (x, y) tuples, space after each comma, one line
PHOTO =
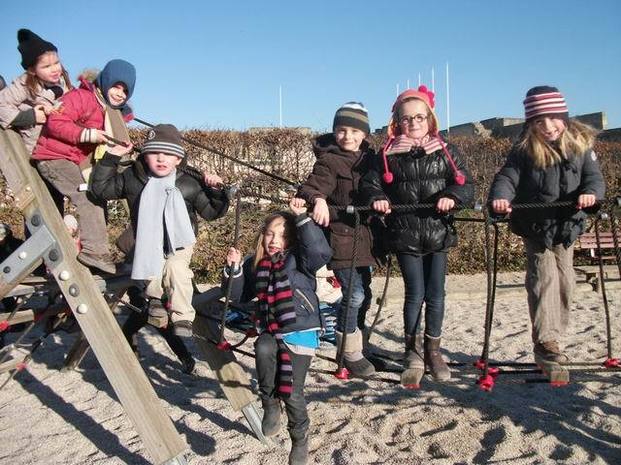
[(434, 361), (550, 351), (414, 363)]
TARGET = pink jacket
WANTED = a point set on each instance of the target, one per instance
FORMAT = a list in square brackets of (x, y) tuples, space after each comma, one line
[(60, 138)]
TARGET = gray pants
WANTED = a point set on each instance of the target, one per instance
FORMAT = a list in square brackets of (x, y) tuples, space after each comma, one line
[(66, 177), (267, 372), (550, 283)]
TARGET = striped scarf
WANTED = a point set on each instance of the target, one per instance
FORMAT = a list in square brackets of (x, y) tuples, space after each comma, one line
[(276, 307)]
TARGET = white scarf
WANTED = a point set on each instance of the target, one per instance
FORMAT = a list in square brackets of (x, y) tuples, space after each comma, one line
[(162, 211)]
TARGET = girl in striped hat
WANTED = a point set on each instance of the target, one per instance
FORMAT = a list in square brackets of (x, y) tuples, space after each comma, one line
[(552, 161), (281, 275), (418, 167)]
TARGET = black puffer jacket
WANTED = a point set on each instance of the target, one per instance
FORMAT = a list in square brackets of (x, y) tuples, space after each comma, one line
[(107, 183), (519, 181), (419, 178)]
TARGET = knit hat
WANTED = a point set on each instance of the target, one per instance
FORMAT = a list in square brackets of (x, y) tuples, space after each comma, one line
[(353, 115), (116, 71), (545, 100), (31, 46), (427, 97), (164, 138)]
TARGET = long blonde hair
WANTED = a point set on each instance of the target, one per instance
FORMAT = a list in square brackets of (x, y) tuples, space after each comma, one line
[(576, 139), (290, 234)]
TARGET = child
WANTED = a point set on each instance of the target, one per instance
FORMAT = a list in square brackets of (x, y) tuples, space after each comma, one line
[(281, 274), (342, 159), (419, 168), (552, 161), (88, 116), (27, 102), (163, 203)]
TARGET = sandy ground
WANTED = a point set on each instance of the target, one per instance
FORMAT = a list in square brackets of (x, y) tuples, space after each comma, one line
[(74, 418)]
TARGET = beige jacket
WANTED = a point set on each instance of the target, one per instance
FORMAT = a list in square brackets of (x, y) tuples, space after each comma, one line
[(15, 99)]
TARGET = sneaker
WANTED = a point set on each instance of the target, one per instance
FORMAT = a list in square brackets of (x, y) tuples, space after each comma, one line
[(182, 328), (101, 262), (549, 351), (156, 308)]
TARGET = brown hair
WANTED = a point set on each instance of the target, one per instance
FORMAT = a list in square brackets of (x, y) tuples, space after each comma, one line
[(34, 84), (576, 139), (290, 233)]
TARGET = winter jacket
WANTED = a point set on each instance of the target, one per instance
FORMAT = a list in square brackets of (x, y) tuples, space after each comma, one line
[(419, 178), (108, 184), (519, 181), (60, 138), (301, 264), (335, 178), (16, 100)]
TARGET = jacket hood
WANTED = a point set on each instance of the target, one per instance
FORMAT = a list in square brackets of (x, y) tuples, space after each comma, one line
[(117, 71)]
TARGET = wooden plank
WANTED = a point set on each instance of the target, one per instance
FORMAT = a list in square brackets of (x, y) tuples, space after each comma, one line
[(129, 382), (233, 380), (22, 316)]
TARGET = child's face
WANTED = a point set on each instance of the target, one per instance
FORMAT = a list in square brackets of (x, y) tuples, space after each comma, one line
[(413, 119), (48, 68), (117, 94), (550, 129), (161, 164), (348, 138), (274, 238)]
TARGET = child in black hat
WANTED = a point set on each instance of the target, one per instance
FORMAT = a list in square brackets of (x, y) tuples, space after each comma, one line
[(32, 97), (342, 159), (552, 161), (164, 200)]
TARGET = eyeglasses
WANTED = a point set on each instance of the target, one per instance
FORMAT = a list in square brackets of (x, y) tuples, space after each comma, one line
[(405, 120)]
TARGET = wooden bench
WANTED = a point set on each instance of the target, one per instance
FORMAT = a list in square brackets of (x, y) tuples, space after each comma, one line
[(588, 241)]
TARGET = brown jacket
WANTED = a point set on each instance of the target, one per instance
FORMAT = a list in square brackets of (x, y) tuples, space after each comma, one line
[(335, 178)]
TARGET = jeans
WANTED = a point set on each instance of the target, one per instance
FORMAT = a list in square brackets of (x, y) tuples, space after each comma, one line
[(424, 278), (267, 373), (360, 298)]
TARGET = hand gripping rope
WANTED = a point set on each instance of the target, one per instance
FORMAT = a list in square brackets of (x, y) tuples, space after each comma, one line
[(490, 370)]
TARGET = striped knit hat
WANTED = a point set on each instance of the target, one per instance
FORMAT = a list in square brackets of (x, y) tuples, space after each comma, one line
[(545, 100), (164, 138), (353, 115)]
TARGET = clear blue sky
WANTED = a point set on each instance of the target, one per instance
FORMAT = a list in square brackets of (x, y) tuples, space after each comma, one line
[(205, 64)]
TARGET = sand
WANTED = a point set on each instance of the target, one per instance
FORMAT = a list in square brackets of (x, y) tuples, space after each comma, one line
[(48, 416)]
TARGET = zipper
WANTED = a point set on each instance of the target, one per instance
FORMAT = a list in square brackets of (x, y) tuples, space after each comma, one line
[(310, 308)]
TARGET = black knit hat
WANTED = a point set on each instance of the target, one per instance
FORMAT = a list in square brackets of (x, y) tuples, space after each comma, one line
[(545, 101), (164, 138), (353, 115), (31, 46)]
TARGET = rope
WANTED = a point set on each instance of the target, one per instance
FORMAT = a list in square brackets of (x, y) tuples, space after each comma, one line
[(382, 301), (600, 263), (227, 157)]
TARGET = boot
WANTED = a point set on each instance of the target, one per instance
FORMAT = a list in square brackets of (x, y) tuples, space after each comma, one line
[(550, 352), (414, 363), (299, 449), (101, 262), (271, 416), (353, 358), (434, 361)]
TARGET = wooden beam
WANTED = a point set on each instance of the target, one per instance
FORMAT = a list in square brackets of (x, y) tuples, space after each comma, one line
[(161, 440)]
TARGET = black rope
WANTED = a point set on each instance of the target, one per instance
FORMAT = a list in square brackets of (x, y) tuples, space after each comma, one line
[(228, 157), (382, 301), (600, 263)]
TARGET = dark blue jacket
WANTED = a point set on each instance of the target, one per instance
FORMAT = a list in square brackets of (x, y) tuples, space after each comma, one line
[(301, 264)]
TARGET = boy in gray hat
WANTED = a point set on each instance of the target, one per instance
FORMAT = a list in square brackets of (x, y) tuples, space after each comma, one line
[(163, 202)]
